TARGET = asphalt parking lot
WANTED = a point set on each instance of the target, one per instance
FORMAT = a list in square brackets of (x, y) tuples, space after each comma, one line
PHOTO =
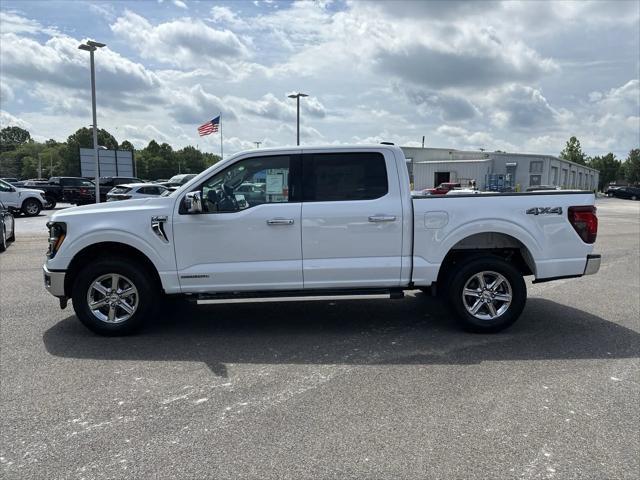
[(328, 389)]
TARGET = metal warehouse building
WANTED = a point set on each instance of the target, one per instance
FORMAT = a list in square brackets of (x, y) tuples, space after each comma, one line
[(499, 171)]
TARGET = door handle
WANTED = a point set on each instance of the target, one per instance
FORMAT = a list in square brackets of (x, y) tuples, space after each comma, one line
[(382, 218), (280, 221)]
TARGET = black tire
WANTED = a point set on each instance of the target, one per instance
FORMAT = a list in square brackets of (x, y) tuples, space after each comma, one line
[(3, 240), (31, 207), (490, 268), (633, 197), (131, 273), (12, 238), (49, 203)]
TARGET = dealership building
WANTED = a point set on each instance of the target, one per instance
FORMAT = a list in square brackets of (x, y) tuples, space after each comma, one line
[(497, 171)]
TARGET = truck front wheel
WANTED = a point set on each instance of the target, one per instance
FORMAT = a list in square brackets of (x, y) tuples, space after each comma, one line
[(114, 297), (50, 202), (487, 294), (31, 207)]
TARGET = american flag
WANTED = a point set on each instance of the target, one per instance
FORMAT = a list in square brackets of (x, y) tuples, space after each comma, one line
[(210, 127)]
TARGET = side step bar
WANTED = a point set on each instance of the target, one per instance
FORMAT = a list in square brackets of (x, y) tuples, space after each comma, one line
[(394, 293)]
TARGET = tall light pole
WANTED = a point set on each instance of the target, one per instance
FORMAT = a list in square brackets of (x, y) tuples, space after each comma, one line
[(91, 47), (257, 144), (297, 97)]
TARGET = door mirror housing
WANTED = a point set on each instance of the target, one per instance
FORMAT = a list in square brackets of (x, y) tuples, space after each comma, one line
[(193, 202)]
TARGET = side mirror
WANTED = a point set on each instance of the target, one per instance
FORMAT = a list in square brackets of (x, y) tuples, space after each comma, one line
[(193, 202)]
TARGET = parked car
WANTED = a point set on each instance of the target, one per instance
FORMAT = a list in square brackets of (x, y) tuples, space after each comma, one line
[(344, 224), (52, 193), (21, 200), (135, 190), (75, 190), (179, 180), (441, 189), (169, 191), (108, 183), (254, 193), (10, 180), (7, 227), (610, 189), (629, 193)]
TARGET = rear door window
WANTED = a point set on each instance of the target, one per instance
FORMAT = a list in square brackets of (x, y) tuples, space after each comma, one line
[(334, 177)]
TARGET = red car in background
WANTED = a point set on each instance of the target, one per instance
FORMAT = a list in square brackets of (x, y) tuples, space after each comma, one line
[(441, 189)]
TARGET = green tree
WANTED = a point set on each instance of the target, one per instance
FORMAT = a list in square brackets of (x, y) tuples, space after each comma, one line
[(631, 166), (83, 138), (126, 145), (29, 167), (609, 168), (12, 137), (573, 152)]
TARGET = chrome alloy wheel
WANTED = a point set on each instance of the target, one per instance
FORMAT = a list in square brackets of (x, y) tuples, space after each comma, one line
[(112, 298), (31, 208), (487, 295)]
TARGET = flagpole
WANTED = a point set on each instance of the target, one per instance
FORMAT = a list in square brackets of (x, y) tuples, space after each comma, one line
[(221, 142)]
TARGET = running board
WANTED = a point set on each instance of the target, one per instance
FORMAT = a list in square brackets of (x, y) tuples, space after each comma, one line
[(362, 293)]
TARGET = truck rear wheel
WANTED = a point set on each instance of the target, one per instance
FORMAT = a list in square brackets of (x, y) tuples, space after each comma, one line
[(487, 294), (114, 297)]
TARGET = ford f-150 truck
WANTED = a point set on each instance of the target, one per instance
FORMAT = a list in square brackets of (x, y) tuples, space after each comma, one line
[(330, 221), (21, 200)]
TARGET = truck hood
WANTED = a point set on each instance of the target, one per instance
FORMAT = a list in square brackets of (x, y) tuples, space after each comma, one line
[(29, 191), (142, 206)]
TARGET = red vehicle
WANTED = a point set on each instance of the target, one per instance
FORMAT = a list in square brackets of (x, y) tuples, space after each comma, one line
[(441, 189)]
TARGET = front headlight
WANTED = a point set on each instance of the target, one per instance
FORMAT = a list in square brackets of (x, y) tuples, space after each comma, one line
[(57, 234)]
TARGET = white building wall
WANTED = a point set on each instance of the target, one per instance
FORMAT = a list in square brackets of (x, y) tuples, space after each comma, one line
[(555, 171)]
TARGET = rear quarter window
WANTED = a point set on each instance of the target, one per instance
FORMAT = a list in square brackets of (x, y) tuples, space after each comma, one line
[(333, 177)]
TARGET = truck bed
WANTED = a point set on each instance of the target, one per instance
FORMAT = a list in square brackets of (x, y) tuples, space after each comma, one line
[(536, 223)]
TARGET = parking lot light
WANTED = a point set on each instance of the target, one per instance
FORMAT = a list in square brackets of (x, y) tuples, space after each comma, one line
[(297, 97), (91, 47)]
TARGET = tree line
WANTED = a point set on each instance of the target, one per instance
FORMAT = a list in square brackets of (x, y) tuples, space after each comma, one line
[(21, 156), (611, 169)]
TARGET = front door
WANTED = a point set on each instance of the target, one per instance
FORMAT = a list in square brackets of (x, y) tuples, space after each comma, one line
[(9, 195), (351, 220), (248, 237)]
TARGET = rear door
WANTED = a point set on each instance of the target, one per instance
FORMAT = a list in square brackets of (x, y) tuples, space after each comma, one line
[(351, 220)]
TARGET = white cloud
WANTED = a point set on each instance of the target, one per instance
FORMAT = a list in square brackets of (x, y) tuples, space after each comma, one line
[(6, 93), (220, 14), (506, 75), (8, 120), (180, 4), (462, 138), (12, 22), (184, 43), (59, 63)]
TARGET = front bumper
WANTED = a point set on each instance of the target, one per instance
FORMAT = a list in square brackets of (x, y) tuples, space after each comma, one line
[(593, 264), (54, 282)]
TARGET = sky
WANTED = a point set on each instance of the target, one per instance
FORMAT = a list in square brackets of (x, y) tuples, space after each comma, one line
[(512, 76)]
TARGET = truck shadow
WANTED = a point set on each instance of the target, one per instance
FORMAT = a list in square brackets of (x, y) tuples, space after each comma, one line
[(415, 330)]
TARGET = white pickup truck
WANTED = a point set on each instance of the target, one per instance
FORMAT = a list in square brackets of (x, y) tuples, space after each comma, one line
[(315, 221), (22, 200)]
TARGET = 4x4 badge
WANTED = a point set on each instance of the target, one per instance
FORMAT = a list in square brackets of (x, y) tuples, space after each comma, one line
[(545, 211)]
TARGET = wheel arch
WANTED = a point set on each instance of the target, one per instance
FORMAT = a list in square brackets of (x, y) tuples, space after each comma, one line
[(498, 244), (107, 250)]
